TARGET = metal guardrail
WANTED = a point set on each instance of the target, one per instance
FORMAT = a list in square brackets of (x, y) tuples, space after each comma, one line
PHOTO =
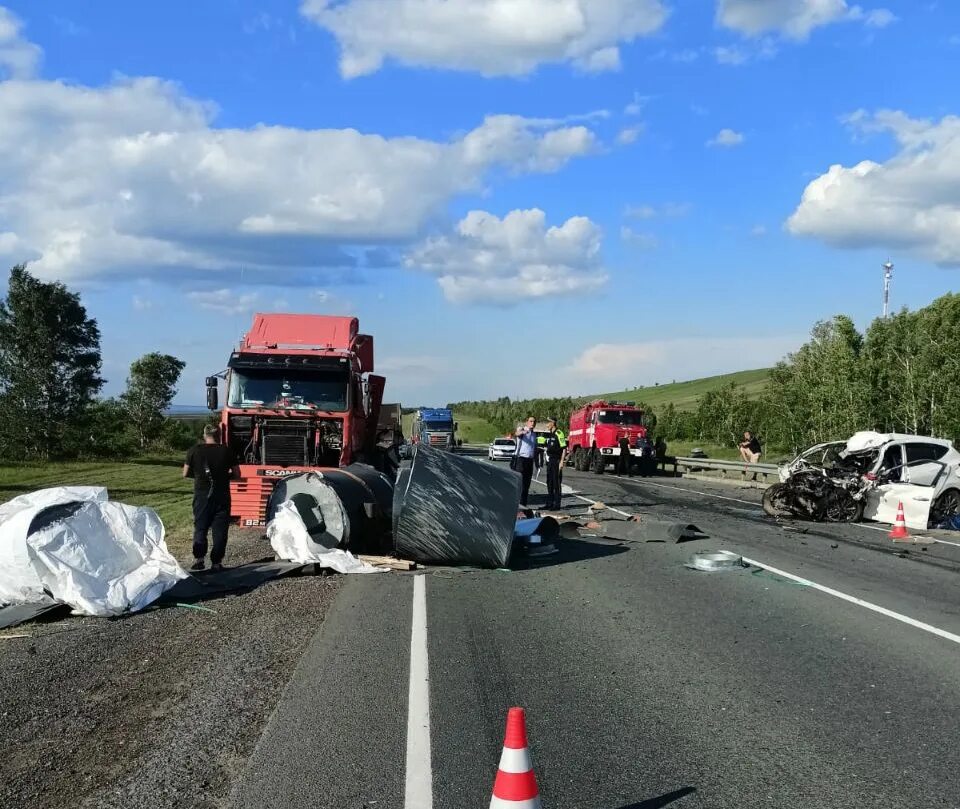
[(725, 468)]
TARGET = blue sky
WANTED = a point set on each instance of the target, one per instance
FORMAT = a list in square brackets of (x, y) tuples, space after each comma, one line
[(516, 197)]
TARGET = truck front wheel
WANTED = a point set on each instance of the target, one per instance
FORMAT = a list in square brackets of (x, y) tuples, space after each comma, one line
[(597, 462)]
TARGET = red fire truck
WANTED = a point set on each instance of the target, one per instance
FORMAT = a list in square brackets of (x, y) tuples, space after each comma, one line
[(596, 430), (300, 396)]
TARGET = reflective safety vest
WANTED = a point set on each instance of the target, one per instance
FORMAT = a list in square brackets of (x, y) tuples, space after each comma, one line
[(553, 444)]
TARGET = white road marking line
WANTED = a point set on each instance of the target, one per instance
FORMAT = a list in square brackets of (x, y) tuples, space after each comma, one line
[(588, 500), (933, 630), (418, 793)]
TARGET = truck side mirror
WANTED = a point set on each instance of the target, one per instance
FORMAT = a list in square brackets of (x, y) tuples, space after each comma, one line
[(213, 402)]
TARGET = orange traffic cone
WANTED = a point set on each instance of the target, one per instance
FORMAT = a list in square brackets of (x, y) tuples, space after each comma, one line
[(899, 532), (516, 785)]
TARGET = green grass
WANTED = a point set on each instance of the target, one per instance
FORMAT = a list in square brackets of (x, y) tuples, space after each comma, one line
[(154, 482), (685, 395)]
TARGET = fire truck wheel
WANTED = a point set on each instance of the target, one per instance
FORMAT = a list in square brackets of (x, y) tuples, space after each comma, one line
[(596, 462), (580, 459)]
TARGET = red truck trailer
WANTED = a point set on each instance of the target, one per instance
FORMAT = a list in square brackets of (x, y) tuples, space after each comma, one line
[(596, 430), (300, 396)]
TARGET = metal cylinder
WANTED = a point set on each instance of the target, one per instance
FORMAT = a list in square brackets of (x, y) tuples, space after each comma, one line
[(346, 508), (454, 510)]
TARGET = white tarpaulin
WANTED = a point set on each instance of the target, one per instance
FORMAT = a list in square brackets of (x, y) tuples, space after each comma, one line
[(105, 558), (19, 580), (290, 540)]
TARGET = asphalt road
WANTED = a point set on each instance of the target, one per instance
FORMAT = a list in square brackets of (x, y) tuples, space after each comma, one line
[(646, 684)]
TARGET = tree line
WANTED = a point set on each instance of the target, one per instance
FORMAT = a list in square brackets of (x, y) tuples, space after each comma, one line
[(50, 365), (902, 374)]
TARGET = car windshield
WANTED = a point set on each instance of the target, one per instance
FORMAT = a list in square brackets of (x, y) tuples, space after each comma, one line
[(627, 418), (504, 442), (317, 390)]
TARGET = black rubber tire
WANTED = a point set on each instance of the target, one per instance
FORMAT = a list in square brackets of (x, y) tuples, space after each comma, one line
[(770, 495), (945, 506), (844, 509), (579, 456), (597, 461)]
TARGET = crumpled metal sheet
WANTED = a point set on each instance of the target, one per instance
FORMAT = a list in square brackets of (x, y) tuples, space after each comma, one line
[(16, 614), (450, 509)]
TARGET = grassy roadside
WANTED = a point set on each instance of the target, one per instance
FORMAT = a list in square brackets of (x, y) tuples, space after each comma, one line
[(684, 395), (153, 482)]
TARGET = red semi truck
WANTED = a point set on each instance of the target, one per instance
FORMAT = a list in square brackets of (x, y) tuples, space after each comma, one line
[(596, 430), (300, 395)]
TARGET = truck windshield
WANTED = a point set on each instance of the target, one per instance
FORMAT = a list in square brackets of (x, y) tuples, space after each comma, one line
[(439, 425), (315, 390), (627, 418)]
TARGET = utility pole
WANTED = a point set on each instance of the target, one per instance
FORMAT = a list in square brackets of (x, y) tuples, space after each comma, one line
[(887, 275)]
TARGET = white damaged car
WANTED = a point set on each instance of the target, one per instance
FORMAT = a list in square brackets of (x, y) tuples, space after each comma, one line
[(922, 473)]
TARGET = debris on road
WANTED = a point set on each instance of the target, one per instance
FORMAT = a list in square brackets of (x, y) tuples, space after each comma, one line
[(715, 561), (537, 536), (293, 541)]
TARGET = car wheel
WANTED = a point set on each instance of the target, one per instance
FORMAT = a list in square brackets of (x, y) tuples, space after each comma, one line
[(774, 501), (841, 507), (947, 505)]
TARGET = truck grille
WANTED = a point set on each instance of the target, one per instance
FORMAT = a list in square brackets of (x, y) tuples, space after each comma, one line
[(285, 443), (438, 440)]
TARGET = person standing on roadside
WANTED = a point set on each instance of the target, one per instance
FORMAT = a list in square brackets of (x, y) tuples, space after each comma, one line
[(624, 459), (211, 465), (525, 455), (555, 449)]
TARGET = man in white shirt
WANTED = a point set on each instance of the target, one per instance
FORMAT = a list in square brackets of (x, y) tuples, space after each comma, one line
[(526, 453)]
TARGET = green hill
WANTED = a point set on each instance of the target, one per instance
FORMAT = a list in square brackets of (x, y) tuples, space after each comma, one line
[(684, 395)]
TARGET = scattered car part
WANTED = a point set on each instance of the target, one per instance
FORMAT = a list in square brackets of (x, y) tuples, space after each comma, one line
[(713, 561)]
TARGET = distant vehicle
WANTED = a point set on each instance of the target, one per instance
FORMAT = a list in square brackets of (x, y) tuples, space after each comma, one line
[(921, 472), (501, 449), (596, 430), (435, 426)]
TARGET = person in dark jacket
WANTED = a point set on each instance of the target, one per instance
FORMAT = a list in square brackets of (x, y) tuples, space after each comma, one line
[(555, 450), (624, 459), (211, 465)]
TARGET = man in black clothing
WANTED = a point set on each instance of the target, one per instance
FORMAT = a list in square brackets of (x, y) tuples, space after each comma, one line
[(211, 465), (750, 449), (624, 459)]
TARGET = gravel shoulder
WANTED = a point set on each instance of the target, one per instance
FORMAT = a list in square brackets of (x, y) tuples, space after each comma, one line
[(161, 708)]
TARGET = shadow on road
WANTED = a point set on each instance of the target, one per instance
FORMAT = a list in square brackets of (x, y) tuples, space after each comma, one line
[(569, 550), (663, 800)]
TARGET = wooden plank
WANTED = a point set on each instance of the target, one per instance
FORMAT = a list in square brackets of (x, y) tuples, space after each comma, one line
[(388, 561)]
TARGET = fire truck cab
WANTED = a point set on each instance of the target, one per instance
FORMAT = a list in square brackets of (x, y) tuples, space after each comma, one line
[(596, 430)]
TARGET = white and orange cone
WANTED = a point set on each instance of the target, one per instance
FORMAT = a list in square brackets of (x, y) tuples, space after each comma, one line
[(899, 532), (516, 785)]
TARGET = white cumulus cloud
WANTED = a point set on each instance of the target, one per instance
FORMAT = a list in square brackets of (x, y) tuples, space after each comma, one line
[(225, 301), (794, 19), (491, 37), (18, 57), (726, 138), (616, 366), (910, 202), (136, 177), (493, 260)]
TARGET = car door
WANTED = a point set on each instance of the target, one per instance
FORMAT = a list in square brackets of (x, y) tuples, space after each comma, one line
[(911, 484)]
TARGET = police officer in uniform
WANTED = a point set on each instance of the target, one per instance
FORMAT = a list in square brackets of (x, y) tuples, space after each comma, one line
[(555, 449)]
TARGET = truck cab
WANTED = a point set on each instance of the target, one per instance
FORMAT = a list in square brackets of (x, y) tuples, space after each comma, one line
[(435, 426)]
